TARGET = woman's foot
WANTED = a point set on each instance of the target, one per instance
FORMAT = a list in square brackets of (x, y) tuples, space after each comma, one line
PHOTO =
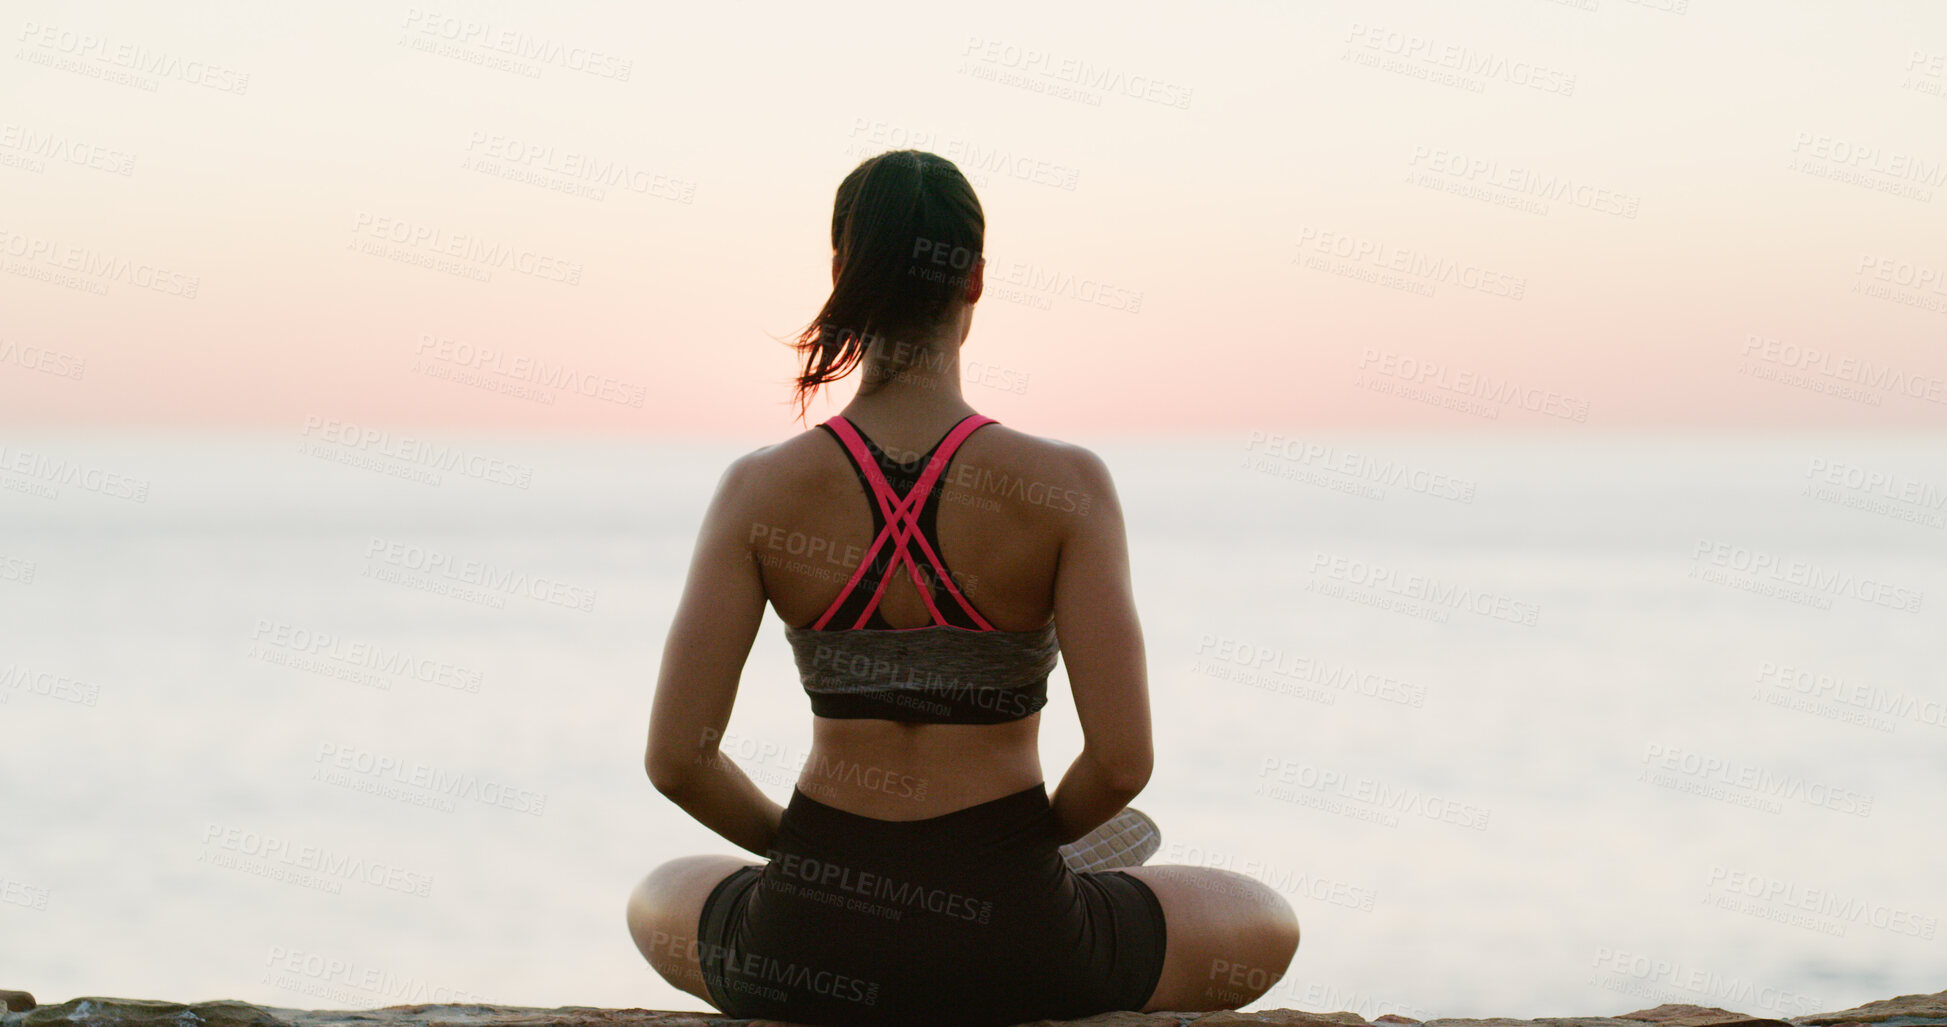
[(1123, 840)]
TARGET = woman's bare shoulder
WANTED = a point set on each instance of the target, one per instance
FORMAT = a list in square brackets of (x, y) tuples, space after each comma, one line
[(1055, 456), (1042, 474), (784, 468)]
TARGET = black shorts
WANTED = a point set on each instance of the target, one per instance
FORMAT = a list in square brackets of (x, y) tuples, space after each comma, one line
[(968, 919)]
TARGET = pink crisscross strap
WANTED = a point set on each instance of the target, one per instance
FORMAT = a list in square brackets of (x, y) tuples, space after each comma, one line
[(902, 523)]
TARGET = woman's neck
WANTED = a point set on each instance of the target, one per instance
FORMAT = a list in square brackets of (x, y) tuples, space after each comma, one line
[(908, 382)]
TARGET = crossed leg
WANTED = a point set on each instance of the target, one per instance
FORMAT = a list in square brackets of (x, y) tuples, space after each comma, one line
[(1229, 937), (663, 913)]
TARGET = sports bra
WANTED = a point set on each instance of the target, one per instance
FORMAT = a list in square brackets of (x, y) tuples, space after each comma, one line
[(958, 670)]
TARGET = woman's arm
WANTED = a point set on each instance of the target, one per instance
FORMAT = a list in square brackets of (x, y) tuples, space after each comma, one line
[(703, 657), (1102, 643)]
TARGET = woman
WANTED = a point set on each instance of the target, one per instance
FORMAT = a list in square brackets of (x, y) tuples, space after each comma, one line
[(914, 876)]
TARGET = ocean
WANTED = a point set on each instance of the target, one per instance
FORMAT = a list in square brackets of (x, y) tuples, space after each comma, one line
[(1522, 726)]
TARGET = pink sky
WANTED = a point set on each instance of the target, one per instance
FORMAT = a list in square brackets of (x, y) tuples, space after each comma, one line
[(1624, 217)]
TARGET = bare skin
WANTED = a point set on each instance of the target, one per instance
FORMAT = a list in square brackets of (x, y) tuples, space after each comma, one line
[(1032, 531)]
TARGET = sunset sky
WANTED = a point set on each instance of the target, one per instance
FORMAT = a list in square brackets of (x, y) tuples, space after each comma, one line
[(1524, 214)]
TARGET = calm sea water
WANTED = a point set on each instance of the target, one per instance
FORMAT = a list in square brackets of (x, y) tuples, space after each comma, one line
[(1522, 727)]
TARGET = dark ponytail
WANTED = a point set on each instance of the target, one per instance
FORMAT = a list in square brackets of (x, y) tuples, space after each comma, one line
[(907, 229)]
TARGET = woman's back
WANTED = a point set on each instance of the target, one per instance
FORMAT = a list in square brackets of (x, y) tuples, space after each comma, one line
[(1002, 506), (999, 544)]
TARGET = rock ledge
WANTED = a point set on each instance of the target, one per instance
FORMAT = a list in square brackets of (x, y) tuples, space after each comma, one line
[(1904, 1011)]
